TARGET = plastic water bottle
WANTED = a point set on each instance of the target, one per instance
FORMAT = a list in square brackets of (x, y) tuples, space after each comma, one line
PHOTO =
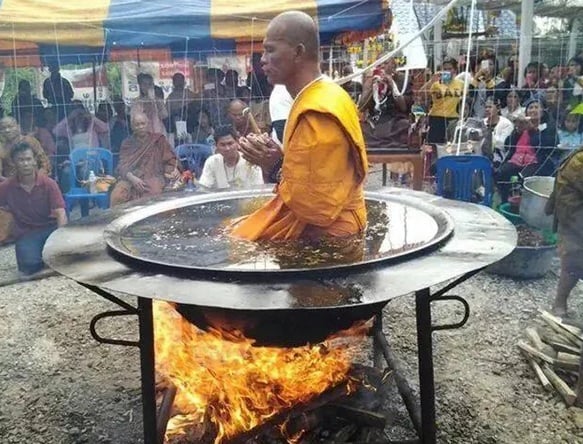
[(92, 180)]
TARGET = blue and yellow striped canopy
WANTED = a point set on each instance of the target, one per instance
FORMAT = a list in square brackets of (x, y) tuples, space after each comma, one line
[(77, 29)]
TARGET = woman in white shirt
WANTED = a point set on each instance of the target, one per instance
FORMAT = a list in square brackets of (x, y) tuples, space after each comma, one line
[(499, 126), (227, 168), (512, 110)]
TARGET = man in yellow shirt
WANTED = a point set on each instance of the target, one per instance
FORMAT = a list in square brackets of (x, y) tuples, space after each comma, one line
[(320, 190), (446, 93)]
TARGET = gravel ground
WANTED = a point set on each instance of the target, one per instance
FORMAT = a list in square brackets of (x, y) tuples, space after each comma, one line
[(59, 386)]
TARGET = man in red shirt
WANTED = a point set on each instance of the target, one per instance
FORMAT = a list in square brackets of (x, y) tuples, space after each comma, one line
[(36, 203)]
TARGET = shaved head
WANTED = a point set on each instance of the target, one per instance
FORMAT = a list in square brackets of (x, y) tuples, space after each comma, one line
[(297, 28)]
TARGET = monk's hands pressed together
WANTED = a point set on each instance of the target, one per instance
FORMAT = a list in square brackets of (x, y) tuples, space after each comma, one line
[(260, 150)]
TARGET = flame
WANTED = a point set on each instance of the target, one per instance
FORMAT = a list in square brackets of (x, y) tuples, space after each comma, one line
[(237, 385)]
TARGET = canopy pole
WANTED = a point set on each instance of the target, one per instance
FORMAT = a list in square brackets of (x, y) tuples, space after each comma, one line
[(94, 87), (525, 47), (437, 44), (574, 34)]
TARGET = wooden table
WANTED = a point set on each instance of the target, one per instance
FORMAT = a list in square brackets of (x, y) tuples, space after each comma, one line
[(391, 155)]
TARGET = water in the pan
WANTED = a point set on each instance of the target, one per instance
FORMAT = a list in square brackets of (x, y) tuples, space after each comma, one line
[(197, 237)]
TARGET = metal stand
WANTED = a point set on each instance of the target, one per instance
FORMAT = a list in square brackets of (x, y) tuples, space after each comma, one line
[(146, 345), (422, 411)]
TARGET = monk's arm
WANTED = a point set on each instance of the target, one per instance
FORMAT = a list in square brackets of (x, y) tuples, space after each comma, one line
[(320, 170)]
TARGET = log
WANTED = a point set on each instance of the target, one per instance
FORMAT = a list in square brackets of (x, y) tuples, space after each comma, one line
[(564, 390), (567, 361), (568, 331), (360, 417), (565, 348), (164, 412), (579, 388), (566, 325), (345, 433), (540, 375), (324, 398), (532, 352), (537, 342)]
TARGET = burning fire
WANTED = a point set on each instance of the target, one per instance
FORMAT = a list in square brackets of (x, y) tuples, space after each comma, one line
[(239, 386)]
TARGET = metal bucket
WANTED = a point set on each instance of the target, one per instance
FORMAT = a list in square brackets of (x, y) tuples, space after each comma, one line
[(525, 262), (535, 194)]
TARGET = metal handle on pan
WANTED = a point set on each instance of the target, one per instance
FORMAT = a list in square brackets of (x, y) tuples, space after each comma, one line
[(458, 324)]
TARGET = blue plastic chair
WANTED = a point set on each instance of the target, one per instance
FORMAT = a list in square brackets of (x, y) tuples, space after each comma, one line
[(193, 156), (459, 177), (100, 160)]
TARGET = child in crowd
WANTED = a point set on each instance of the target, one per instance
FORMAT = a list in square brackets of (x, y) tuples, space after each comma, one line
[(570, 134), (227, 168)]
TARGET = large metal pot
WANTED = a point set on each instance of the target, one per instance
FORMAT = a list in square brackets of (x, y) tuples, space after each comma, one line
[(535, 194)]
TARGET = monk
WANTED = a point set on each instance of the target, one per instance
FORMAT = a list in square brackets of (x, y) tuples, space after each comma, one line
[(146, 163), (321, 175), (239, 117)]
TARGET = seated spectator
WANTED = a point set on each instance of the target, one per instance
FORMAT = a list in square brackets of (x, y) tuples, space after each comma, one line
[(554, 106), (120, 125), (227, 168), (146, 164), (531, 149), (513, 109), (386, 109), (36, 204), (499, 128), (43, 131), (534, 84), (572, 86), (82, 130), (446, 93), (10, 135), (570, 134), (202, 128), (239, 118)]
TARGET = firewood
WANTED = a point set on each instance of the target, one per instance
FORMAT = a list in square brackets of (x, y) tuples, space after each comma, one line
[(345, 433), (560, 385), (568, 331), (579, 388), (164, 412), (537, 342), (532, 352), (567, 361), (565, 348), (566, 325), (540, 375), (360, 417)]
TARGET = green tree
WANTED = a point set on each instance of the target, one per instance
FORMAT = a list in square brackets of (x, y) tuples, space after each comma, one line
[(11, 78)]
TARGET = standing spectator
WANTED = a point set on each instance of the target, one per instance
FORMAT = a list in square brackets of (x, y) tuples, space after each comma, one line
[(36, 204), (147, 103), (446, 93), (120, 125), (482, 86), (25, 102), (232, 88), (58, 91), (178, 101)]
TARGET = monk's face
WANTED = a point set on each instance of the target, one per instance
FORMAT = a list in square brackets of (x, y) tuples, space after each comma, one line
[(236, 114), (140, 125), (279, 56), (228, 147)]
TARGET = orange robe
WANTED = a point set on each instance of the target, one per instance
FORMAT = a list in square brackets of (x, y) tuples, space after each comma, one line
[(324, 167)]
